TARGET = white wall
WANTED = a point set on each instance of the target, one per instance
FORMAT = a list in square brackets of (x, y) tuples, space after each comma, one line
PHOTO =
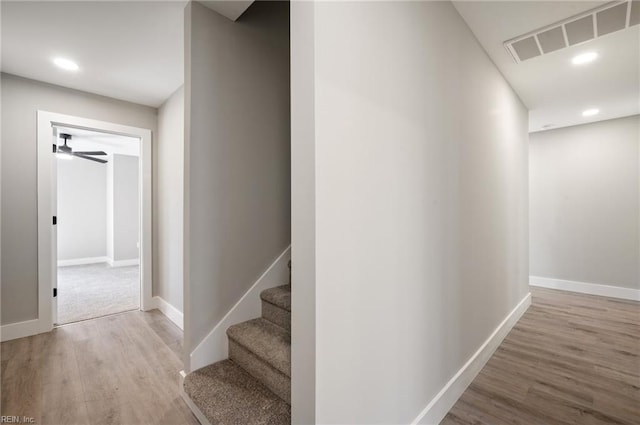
[(109, 213), (126, 207), (237, 183), (98, 209), (303, 214), (82, 209), (169, 201), (21, 99), (416, 153), (584, 206)]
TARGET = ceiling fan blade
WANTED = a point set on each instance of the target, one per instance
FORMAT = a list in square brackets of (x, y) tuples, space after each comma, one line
[(79, 155), (90, 152)]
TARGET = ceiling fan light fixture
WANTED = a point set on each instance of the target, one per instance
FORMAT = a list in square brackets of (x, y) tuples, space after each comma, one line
[(66, 152)]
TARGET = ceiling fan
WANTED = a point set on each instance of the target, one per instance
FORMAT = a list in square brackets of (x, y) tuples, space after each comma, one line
[(66, 151)]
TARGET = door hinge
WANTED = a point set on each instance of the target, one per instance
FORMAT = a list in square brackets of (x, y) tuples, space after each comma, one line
[(55, 220), (55, 148), (55, 292)]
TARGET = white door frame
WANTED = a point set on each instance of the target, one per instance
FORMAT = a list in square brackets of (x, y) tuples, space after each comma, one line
[(47, 264)]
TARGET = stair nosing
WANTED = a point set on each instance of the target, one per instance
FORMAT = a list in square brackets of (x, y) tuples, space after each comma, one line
[(194, 385), (281, 327), (275, 305), (249, 348), (262, 298)]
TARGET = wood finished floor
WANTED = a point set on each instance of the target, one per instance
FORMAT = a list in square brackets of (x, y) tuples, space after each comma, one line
[(120, 369), (571, 359)]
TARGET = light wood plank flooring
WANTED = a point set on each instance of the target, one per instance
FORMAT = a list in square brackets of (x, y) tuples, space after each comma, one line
[(571, 359), (120, 369)]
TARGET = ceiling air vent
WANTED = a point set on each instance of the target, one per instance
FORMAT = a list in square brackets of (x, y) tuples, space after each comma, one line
[(634, 15), (526, 48), (580, 30), (551, 40), (611, 17)]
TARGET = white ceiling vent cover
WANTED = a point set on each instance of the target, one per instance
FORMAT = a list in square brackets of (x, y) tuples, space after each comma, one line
[(551, 40), (611, 17), (580, 30)]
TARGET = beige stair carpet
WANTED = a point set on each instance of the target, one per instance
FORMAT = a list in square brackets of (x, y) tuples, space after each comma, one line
[(228, 395), (253, 386)]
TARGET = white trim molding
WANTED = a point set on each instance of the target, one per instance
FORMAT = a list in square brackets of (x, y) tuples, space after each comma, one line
[(47, 199), (586, 288), (22, 329), (95, 260), (170, 311), (82, 261), (123, 263), (440, 405), (196, 412), (214, 347)]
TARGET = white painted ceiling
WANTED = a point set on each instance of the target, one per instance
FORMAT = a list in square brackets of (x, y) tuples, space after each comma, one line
[(130, 50), (555, 91), (134, 51), (87, 140), (232, 9)]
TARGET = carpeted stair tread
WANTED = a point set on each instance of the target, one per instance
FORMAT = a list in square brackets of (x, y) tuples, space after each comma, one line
[(279, 296), (276, 315), (266, 341), (227, 395)]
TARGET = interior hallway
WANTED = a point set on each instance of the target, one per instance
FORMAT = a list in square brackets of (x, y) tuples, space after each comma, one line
[(120, 369), (571, 359)]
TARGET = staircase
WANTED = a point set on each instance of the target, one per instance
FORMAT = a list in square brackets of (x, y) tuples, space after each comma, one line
[(253, 386)]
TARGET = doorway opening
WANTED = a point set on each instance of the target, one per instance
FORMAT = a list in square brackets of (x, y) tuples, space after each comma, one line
[(98, 216), (94, 219)]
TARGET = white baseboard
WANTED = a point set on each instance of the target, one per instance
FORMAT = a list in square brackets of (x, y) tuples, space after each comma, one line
[(95, 260), (196, 412), (123, 263), (82, 261), (214, 346), (586, 288), (170, 311), (23, 329), (440, 405)]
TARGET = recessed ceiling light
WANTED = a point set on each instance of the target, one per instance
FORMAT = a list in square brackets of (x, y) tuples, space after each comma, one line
[(546, 126), (67, 64), (584, 58), (591, 112)]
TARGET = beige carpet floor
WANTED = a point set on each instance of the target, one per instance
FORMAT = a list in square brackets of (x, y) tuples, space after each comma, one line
[(96, 290)]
